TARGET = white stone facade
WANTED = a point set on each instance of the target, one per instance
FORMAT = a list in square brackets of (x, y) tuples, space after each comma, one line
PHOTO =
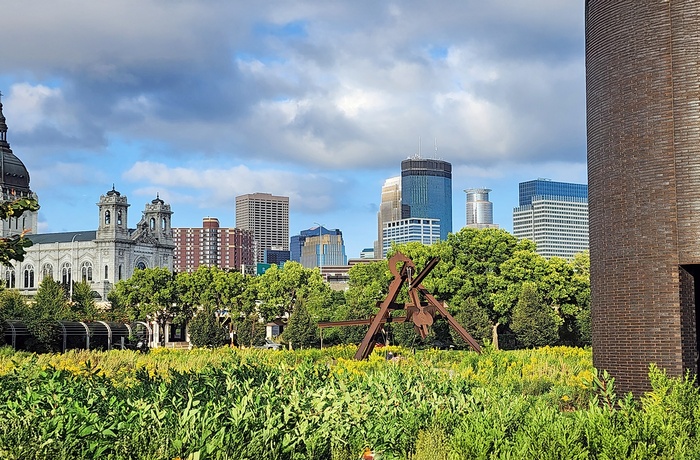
[(100, 257)]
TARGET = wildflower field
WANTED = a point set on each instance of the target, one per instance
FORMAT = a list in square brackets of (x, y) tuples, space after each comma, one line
[(320, 404)]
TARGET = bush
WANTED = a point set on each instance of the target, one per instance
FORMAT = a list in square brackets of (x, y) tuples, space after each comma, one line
[(205, 331)]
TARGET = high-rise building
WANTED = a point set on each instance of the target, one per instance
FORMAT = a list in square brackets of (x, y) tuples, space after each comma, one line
[(390, 208), (212, 246), (479, 208), (554, 215), (267, 216), (426, 231), (426, 189), (318, 247), (642, 95), (14, 184)]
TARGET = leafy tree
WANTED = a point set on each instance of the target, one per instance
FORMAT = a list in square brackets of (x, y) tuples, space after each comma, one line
[(475, 320), (206, 331), (50, 306), (534, 322), (301, 328), (12, 306), (151, 294), (14, 248), (84, 305), (250, 330)]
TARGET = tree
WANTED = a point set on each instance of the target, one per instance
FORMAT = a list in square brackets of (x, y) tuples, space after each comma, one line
[(534, 322), (475, 320), (12, 306), (84, 306), (249, 330), (14, 247), (50, 306), (206, 331), (151, 294), (301, 328)]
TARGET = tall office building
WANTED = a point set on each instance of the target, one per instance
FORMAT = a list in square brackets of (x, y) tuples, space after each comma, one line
[(390, 209), (642, 95), (479, 208), (426, 231), (554, 215), (426, 189), (267, 216), (319, 247), (212, 246)]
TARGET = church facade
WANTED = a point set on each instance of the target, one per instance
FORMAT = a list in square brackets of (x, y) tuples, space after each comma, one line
[(99, 257)]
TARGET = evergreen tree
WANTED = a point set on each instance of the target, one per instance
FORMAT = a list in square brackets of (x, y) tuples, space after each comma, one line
[(301, 329), (50, 306), (534, 323), (206, 331)]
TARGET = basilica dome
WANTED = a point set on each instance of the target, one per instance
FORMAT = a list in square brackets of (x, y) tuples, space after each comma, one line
[(14, 177)]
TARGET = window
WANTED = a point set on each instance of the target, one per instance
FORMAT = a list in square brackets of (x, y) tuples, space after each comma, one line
[(86, 271), (66, 276), (10, 278), (153, 223), (119, 217), (29, 276), (140, 265), (47, 271), (107, 217), (106, 272)]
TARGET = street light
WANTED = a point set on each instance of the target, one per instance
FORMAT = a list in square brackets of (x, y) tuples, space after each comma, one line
[(72, 261), (320, 248)]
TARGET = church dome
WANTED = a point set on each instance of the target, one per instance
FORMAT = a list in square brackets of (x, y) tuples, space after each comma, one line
[(14, 175)]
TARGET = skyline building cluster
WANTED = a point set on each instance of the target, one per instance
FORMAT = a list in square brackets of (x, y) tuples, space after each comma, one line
[(415, 206)]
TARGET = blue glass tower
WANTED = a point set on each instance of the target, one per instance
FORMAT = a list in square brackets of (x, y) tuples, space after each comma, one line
[(426, 188), (550, 188)]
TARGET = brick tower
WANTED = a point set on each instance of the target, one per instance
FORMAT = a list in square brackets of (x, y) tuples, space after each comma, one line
[(643, 117)]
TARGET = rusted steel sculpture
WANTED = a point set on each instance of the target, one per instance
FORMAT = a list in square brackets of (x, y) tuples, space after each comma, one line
[(421, 313)]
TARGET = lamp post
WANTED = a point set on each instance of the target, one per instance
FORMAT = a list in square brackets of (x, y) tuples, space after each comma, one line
[(320, 248), (70, 273)]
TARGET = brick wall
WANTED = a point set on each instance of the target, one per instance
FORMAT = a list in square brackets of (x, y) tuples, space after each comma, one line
[(643, 122)]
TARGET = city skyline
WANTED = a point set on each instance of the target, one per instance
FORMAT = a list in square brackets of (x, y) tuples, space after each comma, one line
[(202, 103)]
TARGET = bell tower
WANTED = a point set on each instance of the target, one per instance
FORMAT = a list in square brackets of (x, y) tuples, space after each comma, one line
[(157, 216), (113, 208)]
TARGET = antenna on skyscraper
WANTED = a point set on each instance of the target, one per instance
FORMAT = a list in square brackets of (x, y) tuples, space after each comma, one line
[(436, 147), (419, 146)]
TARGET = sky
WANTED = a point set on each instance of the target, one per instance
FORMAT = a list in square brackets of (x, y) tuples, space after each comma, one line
[(199, 101)]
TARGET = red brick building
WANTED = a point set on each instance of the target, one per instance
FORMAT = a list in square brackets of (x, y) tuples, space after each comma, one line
[(212, 246)]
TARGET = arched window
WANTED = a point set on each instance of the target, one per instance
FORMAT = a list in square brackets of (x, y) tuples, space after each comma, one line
[(29, 276), (106, 272), (47, 271), (140, 265), (163, 223), (10, 278), (120, 271), (107, 218), (119, 217), (153, 223), (66, 276), (86, 271)]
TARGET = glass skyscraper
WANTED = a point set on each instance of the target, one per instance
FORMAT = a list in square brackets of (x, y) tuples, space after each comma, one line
[(426, 189), (550, 188)]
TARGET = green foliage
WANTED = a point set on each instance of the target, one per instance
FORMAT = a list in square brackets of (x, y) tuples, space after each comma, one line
[(313, 404), (301, 329), (50, 305), (533, 322), (206, 331), (84, 307), (475, 320), (14, 248), (250, 331)]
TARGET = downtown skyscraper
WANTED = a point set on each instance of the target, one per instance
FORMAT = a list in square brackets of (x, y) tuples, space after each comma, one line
[(267, 216)]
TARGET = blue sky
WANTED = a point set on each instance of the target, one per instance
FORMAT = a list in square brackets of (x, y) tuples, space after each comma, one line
[(320, 101)]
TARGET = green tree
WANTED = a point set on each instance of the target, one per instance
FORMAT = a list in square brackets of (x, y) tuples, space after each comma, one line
[(151, 294), (534, 322), (206, 331), (84, 306), (50, 305), (12, 306), (301, 328), (250, 331), (475, 320)]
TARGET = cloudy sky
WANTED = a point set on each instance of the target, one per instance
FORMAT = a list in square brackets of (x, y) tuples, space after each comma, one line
[(201, 101)]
